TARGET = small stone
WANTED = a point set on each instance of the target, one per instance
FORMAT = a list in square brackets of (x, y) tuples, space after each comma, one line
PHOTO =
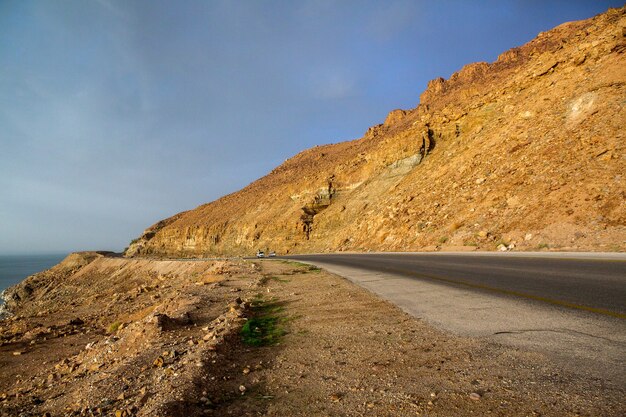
[(242, 389), (580, 59), (482, 233), (527, 114), (479, 181), (77, 321), (163, 321), (336, 397), (158, 362), (513, 201), (121, 397), (246, 370), (502, 247), (17, 353), (95, 367), (208, 336), (474, 396), (528, 236)]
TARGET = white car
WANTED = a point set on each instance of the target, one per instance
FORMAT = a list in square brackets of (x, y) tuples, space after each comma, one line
[(260, 254)]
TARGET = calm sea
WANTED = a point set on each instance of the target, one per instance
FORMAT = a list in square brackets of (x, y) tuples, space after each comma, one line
[(14, 268)]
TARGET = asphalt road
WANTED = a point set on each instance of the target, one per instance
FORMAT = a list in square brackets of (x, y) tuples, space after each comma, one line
[(571, 308), (592, 284)]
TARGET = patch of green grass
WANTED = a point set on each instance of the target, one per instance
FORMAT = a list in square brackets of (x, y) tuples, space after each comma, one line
[(278, 279), (294, 263), (443, 239), (261, 307), (113, 327), (543, 246), (302, 266), (262, 331), (266, 328)]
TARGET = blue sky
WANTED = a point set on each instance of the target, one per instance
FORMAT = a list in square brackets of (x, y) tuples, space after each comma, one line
[(116, 114)]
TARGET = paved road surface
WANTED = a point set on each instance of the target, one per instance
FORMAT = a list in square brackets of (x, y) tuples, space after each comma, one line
[(593, 284), (571, 307)]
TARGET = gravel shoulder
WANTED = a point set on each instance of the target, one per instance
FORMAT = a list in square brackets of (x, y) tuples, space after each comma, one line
[(335, 349)]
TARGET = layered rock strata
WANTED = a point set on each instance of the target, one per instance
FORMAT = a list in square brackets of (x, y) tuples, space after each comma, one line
[(526, 152)]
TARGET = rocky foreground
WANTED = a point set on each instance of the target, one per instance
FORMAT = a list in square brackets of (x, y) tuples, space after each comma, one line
[(524, 153), (106, 336)]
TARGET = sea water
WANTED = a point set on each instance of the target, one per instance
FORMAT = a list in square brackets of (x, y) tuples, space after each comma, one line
[(14, 268)]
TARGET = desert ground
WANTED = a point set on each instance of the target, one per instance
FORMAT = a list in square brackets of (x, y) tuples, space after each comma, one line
[(98, 335)]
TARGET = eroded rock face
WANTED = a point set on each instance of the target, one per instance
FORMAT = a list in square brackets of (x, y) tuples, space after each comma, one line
[(532, 143)]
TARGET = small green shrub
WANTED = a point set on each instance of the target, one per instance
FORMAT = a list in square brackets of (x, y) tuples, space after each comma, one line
[(266, 327), (113, 327), (262, 331)]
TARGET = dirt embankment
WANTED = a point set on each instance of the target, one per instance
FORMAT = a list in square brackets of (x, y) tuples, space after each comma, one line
[(110, 336), (524, 153)]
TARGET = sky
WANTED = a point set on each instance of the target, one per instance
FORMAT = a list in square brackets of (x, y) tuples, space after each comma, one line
[(117, 114)]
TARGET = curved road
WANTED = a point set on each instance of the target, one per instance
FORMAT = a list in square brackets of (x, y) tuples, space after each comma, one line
[(596, 284), (569, 307)]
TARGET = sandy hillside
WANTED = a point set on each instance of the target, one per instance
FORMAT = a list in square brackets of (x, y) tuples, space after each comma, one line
[(523, 153)]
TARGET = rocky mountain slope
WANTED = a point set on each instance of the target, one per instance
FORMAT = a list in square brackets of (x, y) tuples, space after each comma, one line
[(525, 152)]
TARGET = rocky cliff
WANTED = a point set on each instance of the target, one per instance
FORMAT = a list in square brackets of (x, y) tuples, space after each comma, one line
[(525, 152)]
